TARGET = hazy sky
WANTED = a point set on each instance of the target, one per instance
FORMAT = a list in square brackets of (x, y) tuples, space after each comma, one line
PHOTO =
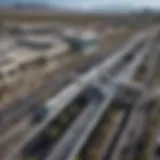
[(98, 3), (90, 4)]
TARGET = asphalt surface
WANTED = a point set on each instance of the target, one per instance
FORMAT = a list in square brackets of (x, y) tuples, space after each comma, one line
[(70, 92), (79, 131), (111, 143), (136, 121), (66, 146), (22, 107)]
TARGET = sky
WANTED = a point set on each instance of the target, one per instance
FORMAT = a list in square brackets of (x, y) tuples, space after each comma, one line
[(91, 4), (102, 3)]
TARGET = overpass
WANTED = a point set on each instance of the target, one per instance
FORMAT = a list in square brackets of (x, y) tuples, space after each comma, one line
[(71, 91)]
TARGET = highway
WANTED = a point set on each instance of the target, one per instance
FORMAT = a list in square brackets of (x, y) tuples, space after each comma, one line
[(65, 148), (136, 121), (79, 131), (71, 91), (110, 143), (148, 108), (16, 111), (125, 74), (19, 111), (154, 146)]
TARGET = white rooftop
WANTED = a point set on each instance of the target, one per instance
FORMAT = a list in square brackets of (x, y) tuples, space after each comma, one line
[(82, 34)]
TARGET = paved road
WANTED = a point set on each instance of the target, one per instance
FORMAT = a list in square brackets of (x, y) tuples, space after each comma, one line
[(155, 136), (71, 91), (79, 131), (66, 146), (135, 122), (112, 135), (111, 142), (20, 107)]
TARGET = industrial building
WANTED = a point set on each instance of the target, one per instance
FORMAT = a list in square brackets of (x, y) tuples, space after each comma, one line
[(82, 41)]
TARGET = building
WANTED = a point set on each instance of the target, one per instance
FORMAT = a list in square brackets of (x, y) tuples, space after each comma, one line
[(82, 41)]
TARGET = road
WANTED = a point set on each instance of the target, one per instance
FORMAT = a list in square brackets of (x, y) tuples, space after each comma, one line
[(16, 111), (154, 132), (73, 90), (23, 106), (62, 151), (135, 122), (110, 144), (79, 131)]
